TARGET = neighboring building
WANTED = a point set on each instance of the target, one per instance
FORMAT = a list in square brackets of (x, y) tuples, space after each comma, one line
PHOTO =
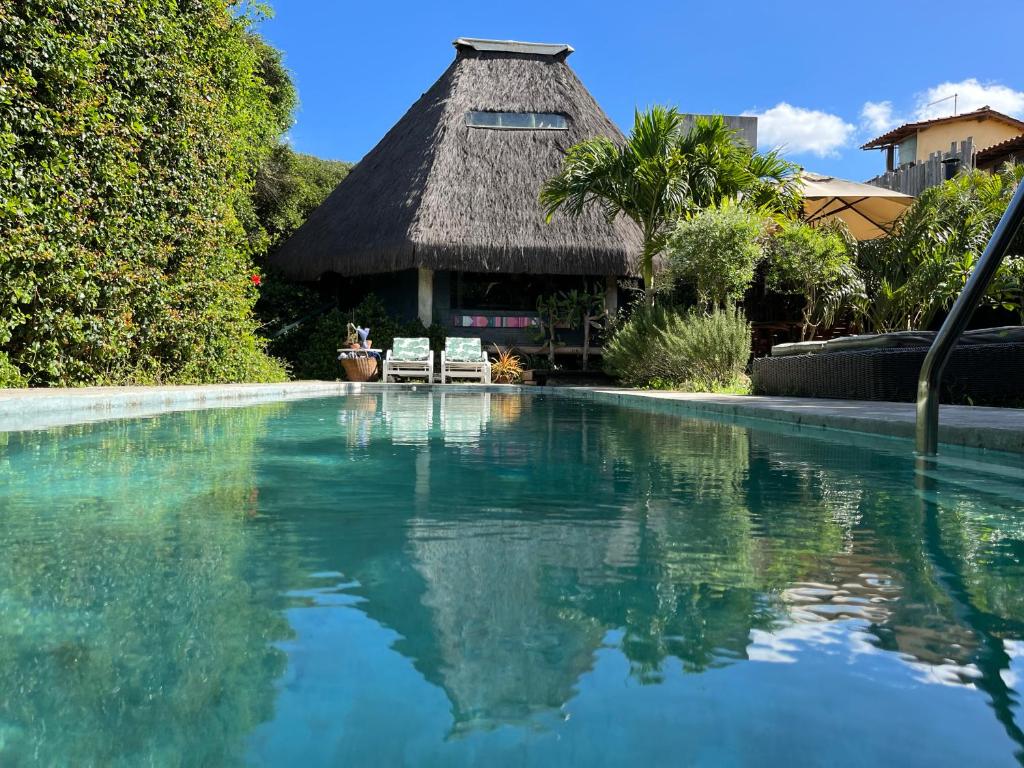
[(745, 126), (923, 154), (993, 158), (442, 218)]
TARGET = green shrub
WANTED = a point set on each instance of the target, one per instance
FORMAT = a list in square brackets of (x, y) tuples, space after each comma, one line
[(130, 136), (660, 347), (716, 252), (818, 264), (10, 376)]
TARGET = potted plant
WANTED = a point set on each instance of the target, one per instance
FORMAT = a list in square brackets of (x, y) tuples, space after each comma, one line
[(506, 368)]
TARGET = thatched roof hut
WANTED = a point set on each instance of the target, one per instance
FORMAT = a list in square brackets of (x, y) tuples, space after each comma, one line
[(454, 184)]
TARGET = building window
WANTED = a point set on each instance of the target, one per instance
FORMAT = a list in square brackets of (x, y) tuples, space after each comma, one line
[(518, 121), (907, 151)]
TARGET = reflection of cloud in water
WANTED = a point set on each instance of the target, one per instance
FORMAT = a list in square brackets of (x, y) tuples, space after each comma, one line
[(865, 593), (847, 638)]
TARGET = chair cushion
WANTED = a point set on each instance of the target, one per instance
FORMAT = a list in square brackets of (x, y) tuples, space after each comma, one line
[(411, 349), (461, 350), (797, 348)]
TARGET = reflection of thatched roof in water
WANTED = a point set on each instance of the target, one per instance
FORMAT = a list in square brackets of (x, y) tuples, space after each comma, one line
[(507, 648), (438, 193)]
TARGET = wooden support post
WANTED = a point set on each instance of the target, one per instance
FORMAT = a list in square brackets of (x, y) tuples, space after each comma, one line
[(611, 294), (425, 296)]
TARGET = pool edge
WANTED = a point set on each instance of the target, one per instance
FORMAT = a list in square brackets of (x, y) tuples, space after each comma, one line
[(988, 429)]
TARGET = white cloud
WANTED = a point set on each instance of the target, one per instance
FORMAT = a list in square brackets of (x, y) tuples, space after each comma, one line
[(799, 130), (878, 117), (971, 94)]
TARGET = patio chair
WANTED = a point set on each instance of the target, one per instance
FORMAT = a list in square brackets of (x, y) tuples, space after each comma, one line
[(410, 358), (464, 359)]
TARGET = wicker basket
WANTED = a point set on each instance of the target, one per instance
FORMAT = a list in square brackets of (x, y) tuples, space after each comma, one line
[(360, 368)]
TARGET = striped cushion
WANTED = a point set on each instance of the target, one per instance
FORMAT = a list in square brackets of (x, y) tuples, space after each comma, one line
[(411, 349), (462, 350)]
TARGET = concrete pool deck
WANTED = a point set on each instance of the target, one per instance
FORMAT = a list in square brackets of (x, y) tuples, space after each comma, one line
[(998, 429)]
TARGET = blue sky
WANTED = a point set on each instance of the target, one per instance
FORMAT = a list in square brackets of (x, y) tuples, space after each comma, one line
[(824, 82)]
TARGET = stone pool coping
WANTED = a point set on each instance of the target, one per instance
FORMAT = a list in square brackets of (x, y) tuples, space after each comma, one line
[(998, 429), (967, 426)]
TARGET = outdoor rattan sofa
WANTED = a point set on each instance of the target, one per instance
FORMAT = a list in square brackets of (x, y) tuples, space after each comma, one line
[(987, 366)]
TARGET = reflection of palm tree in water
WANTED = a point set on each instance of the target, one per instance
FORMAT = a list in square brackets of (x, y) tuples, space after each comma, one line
[(990, 656)]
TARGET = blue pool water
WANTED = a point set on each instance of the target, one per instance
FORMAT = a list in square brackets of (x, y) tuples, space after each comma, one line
[(461, 578)]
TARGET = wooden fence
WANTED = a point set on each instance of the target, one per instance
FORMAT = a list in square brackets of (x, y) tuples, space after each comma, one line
[(914, 179)]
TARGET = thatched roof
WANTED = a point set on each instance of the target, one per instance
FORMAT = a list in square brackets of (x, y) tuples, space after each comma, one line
[(438, 193)]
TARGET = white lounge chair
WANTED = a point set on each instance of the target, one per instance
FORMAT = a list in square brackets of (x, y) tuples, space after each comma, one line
[(464, 359), (410, 358)]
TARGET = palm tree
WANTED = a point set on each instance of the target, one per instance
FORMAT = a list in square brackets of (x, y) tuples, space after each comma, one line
[(642, 179), (720, 167), (662, 172)]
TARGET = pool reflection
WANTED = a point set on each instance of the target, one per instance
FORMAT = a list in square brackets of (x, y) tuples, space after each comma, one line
[(710, 545), (461, 577)]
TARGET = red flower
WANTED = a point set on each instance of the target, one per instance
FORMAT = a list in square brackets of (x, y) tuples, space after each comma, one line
[(256, 279)]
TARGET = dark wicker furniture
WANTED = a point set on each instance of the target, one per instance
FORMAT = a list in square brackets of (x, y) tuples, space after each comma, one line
[(978, 373)]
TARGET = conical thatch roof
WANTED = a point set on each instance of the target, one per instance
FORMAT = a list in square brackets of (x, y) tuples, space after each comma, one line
[(438, 193)]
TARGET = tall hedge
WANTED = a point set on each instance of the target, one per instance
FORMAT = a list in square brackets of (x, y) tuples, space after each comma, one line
[(130, 135)]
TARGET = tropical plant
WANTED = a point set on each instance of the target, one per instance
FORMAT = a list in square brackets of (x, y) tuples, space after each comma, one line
[(918, 270), (816, 263), (586, 309), (506, 368), (553, 311), (661, 171), (695, 350), (716, 251), (719, 166)]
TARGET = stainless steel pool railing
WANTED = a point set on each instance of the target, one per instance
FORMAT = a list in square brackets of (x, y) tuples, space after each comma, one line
[(930, 378)]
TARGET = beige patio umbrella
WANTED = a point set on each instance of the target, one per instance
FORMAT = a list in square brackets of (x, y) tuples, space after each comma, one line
[(868, 211)]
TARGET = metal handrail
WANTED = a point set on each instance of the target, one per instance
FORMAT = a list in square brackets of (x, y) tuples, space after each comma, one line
[(949, 334)]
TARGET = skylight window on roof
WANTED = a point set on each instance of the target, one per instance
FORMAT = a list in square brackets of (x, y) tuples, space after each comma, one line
[(518, 121)]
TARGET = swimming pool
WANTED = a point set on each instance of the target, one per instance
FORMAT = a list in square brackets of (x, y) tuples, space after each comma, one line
[(465, 578)]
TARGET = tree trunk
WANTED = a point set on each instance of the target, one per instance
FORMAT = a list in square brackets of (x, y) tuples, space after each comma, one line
[(586, 337), (648, 272), (551, 337)]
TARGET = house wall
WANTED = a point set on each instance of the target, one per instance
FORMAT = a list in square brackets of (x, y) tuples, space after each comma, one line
[(937, 138), (398, 292), (744, 125)]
